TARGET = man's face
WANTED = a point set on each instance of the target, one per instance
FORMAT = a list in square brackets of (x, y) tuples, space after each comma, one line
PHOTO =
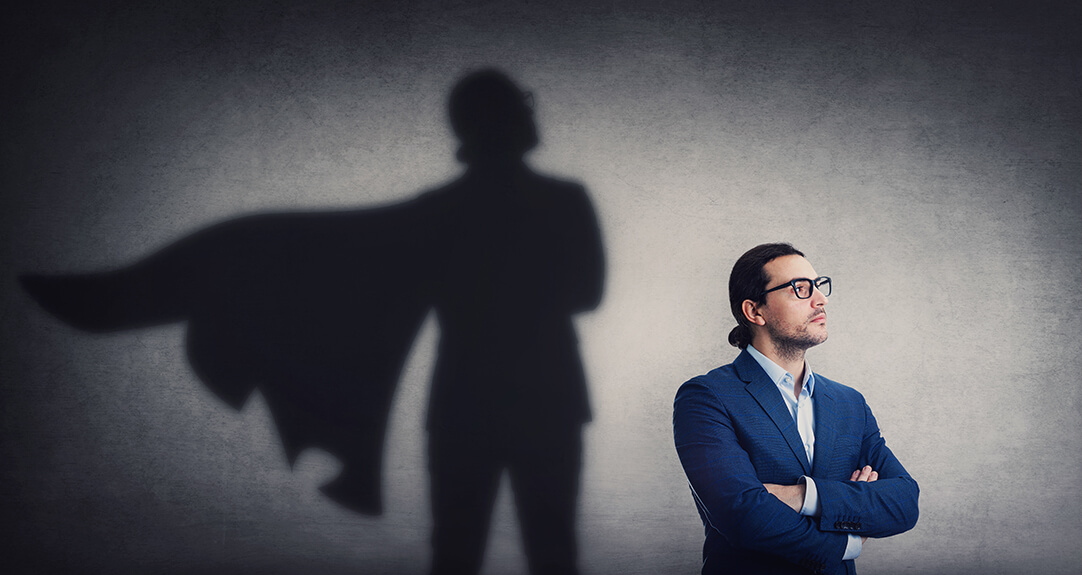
[(793, 324)]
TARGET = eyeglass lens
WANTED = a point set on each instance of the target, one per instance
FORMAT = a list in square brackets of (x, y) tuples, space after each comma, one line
[(803, 288)]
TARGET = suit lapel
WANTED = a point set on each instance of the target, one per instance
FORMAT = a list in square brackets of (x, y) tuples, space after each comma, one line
[(825, 430), (766, 393)]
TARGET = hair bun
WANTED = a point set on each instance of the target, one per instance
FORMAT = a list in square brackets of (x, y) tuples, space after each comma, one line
[(740, 337)]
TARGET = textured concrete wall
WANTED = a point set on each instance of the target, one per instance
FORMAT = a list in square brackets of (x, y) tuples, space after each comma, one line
[(925, 157)]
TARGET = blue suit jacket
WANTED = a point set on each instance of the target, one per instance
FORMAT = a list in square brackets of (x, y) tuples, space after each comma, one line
[(734, 433)]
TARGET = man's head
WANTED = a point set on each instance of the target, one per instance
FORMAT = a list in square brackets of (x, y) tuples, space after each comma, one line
[(491, 116), (771, 307)]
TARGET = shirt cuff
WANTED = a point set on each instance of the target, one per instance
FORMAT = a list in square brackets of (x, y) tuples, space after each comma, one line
[(811, 500), (852, 549)]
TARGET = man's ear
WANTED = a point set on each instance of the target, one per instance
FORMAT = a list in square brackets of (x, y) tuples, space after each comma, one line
[(751, 312)]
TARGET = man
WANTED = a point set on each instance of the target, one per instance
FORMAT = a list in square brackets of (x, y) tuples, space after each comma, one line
[(787, 468)]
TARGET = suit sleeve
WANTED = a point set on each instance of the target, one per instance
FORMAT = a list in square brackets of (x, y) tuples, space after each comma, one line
[(731, 498), (877, 509)]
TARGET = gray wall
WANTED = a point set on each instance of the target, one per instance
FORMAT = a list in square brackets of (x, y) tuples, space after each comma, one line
[(924, 156)]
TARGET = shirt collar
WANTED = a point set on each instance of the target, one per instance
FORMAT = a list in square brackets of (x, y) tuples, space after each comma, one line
[(777, 373)]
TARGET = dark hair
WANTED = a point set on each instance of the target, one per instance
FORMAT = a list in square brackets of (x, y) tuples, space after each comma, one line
[(748, 281), (491, 115)]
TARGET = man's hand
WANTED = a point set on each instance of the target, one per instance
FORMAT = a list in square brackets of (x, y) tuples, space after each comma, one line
[(791, 495), (865, 474)]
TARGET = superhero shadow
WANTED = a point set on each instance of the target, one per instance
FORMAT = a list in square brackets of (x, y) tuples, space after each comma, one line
[(319, 310)]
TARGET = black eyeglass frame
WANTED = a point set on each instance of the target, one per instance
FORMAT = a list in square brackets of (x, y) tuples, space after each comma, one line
[(815, 283)]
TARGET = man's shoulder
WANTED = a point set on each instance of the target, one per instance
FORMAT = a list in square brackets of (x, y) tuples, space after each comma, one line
[(718, 382), (837, 390), (721, 375)]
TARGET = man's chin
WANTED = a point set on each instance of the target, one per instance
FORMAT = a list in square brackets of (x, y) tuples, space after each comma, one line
[(816, 338), (794, 347)]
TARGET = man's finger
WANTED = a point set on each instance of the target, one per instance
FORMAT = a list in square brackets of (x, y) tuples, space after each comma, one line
[(865, 473), (874, 476), (855, 475)]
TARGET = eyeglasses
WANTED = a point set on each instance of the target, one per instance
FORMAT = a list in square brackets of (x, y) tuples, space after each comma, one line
[(802, 287)]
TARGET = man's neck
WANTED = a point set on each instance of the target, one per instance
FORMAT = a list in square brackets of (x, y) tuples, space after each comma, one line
[(793, 364)]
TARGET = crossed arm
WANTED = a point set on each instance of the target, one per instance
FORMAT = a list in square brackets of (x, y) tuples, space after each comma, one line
[(795, 496), (734, 500)]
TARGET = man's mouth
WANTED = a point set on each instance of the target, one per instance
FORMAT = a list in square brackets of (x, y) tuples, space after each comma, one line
[(819, 317)]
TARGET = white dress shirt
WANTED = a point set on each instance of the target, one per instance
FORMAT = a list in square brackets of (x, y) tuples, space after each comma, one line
[(804, 416)]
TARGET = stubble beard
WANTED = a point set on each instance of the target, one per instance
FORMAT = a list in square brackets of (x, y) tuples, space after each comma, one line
[(791, 346)]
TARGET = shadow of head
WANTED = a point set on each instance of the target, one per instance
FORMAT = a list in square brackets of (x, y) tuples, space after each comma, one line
[(491, 116)]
